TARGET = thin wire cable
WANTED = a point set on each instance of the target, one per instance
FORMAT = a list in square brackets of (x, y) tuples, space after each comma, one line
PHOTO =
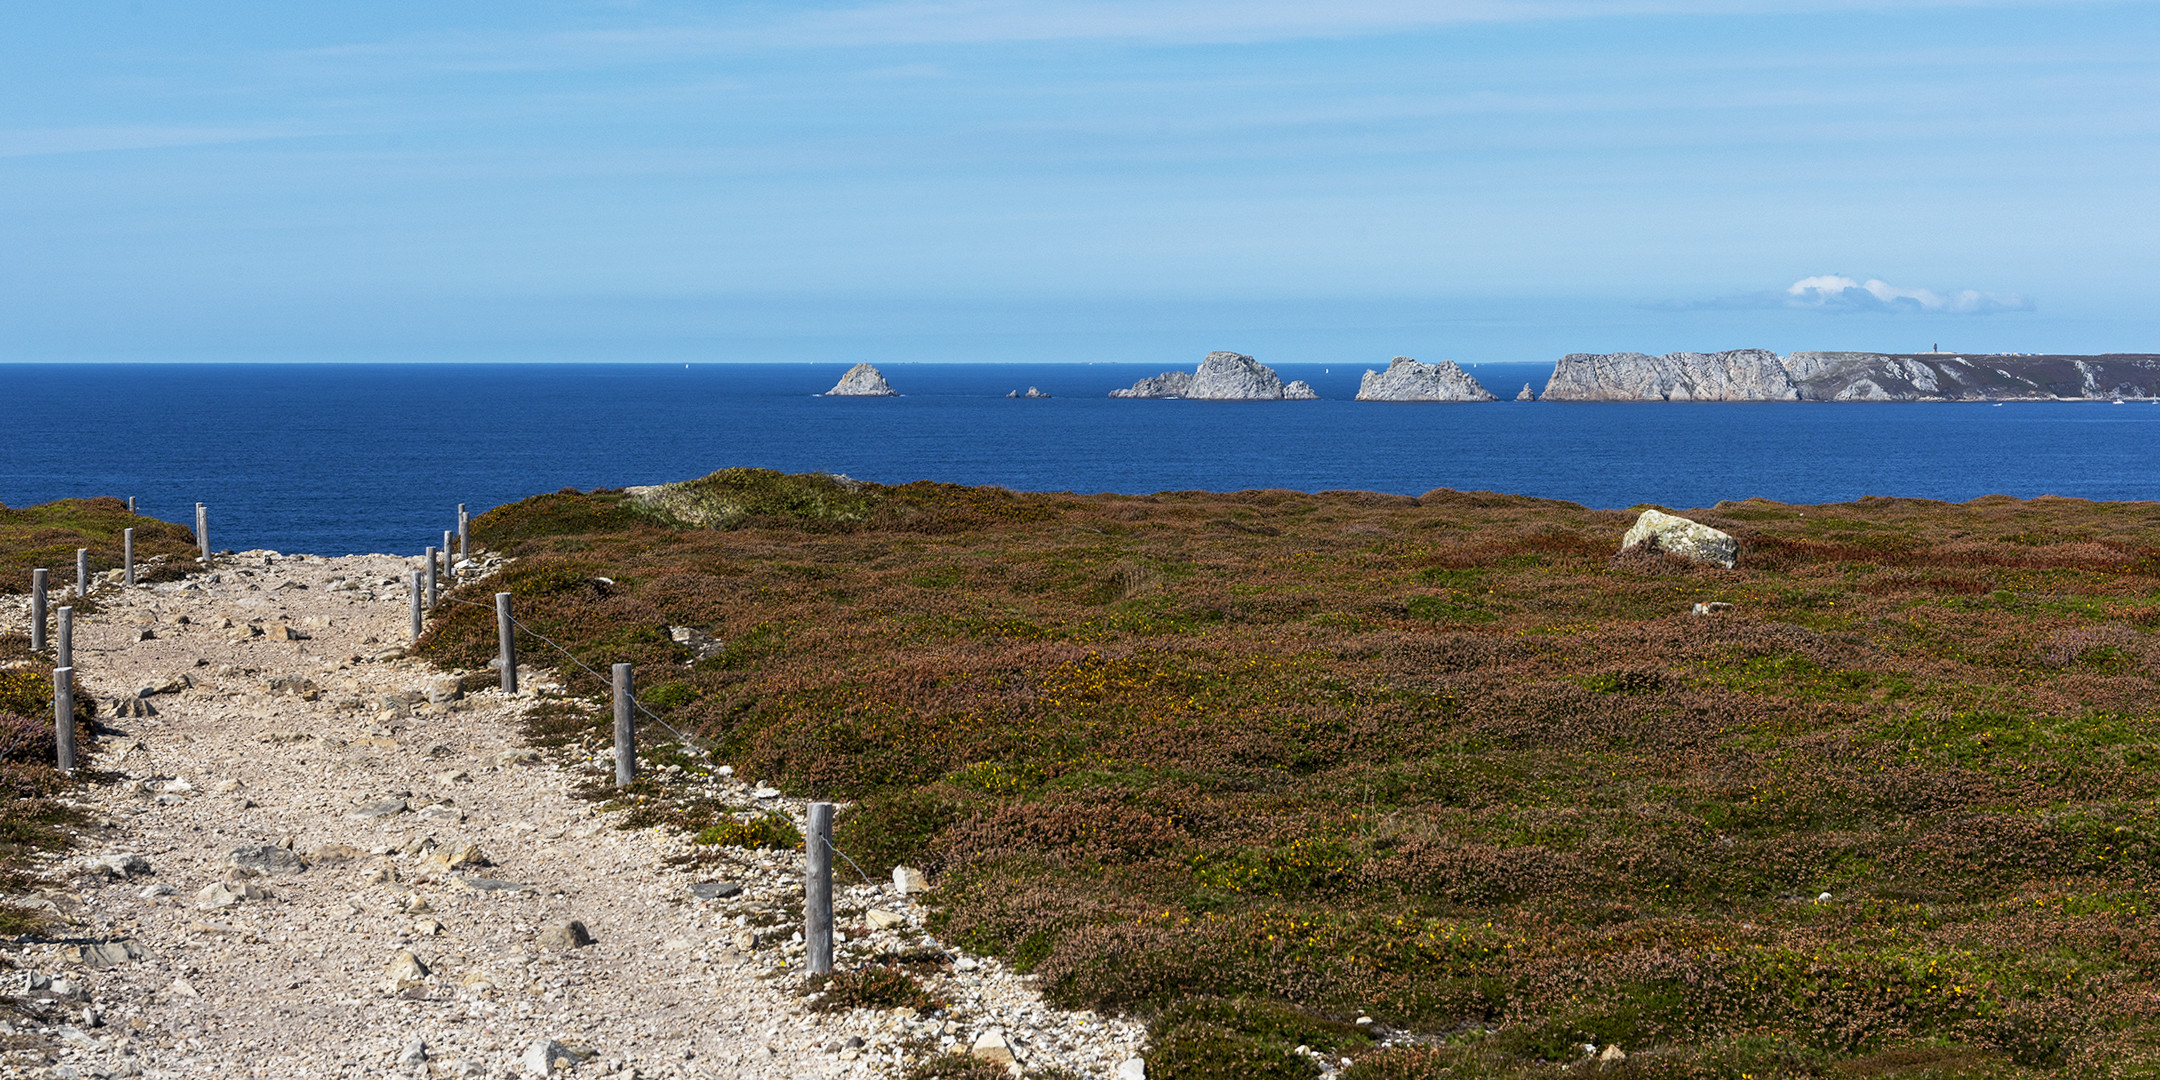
[(835, 849), (687, 742)]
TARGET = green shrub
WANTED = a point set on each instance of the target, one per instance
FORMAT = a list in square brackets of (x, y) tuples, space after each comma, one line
[(880, 987), (770, 831), (958, 1067)]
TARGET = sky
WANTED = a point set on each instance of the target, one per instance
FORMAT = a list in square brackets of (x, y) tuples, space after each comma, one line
[(986, 180)]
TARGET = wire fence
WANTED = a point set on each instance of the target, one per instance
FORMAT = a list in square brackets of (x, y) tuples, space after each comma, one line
[(688, 743)]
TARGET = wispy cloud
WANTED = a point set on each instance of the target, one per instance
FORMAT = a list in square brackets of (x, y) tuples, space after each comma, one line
[(756, 28), (1836, 293), (40, 142)]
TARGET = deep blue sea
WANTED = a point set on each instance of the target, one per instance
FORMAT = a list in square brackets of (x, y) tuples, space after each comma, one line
[(340, 458)]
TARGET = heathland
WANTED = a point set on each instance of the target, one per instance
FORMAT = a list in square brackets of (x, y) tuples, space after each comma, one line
[(1254, 765)]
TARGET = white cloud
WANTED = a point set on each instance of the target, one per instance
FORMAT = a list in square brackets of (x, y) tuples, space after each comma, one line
[(1838, 292)]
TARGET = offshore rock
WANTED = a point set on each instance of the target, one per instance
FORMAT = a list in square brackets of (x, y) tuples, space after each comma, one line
[(1410, 380), (1735, 375), (1223, 376), (1169, 384), (1693, 541), (1527, 394), (862, 380)]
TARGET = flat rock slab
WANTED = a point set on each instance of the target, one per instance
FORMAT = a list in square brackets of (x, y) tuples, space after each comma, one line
[(715, 890)]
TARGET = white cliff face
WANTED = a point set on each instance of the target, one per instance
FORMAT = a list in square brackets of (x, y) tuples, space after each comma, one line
[(1736, 375), (1409, 380), (1229, 376), (1223, 376), (1169, 384), (862, 380)]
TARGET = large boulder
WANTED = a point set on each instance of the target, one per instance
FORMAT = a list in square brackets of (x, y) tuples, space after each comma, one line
[(862, 380), (1693, 541), (1527, 394), (1411, 380)]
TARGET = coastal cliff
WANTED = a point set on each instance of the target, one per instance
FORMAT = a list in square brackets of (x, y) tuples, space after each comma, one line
[(1736, 375), (1223, 376), (1761, 375), (1411, 380)]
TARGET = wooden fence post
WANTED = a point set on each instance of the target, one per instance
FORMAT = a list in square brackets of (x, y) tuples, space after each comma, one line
[(66, 651), (464, 533), (127, 555), (625, 728), (63, 688), (817, 890), (202, 531), (431, 578), (419, 622), (449, 567), (506, 639), (82, 572), (37, 610)]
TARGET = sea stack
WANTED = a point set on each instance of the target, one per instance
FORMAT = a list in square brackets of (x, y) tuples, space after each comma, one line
[(1527, 394), (862, 380), (1223, 376), (1409, 380)]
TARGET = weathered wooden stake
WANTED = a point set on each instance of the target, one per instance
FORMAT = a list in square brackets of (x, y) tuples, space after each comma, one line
[(202, 531), (82, 572), (66, 651), (131, 504), (37, 610), (625, 729), (817, 890), (506, 637), (63, 691), (449, 567), (127, 555), (431, 578), (464, 533), (419, 622)]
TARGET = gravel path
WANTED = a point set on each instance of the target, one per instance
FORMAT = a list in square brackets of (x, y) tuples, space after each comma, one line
[(333, 876)]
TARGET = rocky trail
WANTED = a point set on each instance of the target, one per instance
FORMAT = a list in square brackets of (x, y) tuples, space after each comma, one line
[(313, 857)]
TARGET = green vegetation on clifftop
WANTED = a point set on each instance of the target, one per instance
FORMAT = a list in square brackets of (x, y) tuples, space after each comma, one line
[(1254, 764)]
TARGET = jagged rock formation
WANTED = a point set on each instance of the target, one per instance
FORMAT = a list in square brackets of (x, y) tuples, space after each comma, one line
[(1656, 530), (1738, 375), (1223, 376), (1409, 380), (1031, 393), (1527, 394), (1759, 375), (862, 380)]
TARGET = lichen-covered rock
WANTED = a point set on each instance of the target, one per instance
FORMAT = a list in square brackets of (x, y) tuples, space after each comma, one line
[(1735, 375), (1411, 380), (1223, 376), (1527, 394), (862, 380), (1169, 384), (1656, 530)]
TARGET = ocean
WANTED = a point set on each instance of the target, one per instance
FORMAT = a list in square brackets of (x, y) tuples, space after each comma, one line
[(344, 458)]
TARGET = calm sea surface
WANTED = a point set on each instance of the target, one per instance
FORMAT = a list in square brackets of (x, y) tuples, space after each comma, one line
[(354, 458)]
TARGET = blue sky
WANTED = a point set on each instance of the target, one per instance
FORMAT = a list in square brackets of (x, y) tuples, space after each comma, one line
[(1486, 180)]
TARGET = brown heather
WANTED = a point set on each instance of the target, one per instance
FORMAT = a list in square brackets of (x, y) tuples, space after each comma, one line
[(1444, 761)]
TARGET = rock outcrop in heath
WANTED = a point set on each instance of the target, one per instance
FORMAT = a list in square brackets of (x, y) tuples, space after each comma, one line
[(862, 380), (1656, 530), (1223, 376), (1410, 380)]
